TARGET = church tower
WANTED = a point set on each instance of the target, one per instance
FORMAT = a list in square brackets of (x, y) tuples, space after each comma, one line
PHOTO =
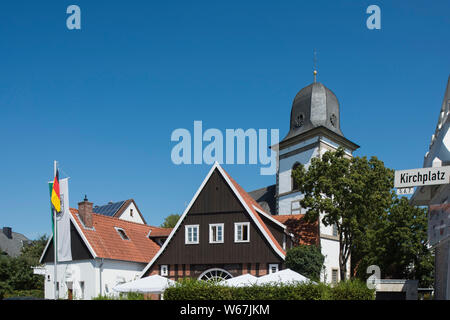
[(314, 129)]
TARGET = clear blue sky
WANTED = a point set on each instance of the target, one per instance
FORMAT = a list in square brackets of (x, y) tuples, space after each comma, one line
[(104, 100)]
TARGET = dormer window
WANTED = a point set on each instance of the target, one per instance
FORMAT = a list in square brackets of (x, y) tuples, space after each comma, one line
[(122, 234)]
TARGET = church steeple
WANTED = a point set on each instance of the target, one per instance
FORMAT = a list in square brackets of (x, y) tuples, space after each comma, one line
[(314, 129)]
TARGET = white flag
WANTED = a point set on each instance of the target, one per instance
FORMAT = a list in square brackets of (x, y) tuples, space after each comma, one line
[(63, 218)]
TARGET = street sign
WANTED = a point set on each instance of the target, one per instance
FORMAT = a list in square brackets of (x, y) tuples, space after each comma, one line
[(403, 191), (422, 177)]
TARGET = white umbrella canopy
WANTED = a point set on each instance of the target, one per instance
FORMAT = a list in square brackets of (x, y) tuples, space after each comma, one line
[(285, 276), (240, 281), (151, 284)]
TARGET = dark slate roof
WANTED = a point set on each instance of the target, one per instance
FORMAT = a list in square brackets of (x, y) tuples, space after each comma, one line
[(314, 106), (109, 209), (12, 247), (266, 198)]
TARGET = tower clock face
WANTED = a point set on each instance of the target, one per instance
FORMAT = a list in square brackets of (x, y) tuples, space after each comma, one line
[(333, 120)]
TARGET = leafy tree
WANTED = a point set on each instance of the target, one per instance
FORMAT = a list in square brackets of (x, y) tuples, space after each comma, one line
[(397, 243), (16, 273), (34, 251), (170, 221), (349, 192), (5, 268), (306, 260), (22, 277)]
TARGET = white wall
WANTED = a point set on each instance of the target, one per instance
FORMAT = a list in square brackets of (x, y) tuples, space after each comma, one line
[(440, 145), (115, 272), (329, 247), (299, 145), (437, 156), (286, 164), (285, 178), (126, 215), (285, 203), (285, 169), (71, 274)]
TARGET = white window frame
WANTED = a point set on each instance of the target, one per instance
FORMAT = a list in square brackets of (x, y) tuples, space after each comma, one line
[(164, 270), (333, 270), (296, 210), (272, 265), (211, 240), (334, 229), (124, 233), (186, 231), (236, 225)]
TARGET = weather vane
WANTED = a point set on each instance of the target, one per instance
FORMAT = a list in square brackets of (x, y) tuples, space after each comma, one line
[(315, 65)]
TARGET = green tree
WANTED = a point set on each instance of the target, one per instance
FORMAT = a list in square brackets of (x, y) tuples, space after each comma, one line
[(5, 268), (306, 260), (170, 221), (34, 251), (24, 278), (349, 192), (16, 273), (397, 243)]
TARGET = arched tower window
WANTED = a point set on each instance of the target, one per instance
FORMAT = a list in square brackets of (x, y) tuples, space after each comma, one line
[(294, 183)]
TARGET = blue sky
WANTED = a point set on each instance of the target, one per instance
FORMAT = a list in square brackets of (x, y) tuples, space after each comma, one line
[(104, 100)]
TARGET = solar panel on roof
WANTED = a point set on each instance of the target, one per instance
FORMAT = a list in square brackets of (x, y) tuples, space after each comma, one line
[(108, 210)]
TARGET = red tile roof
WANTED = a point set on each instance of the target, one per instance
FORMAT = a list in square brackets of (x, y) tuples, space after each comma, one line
[(107, 243), (304, 232), (160, 232), (250, 203)]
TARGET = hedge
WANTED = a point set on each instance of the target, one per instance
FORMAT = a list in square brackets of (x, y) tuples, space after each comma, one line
[(121, 296), (352, 290), (23, 293), (189, 289)]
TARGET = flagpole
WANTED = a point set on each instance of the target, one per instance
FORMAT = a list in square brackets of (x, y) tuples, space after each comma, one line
[(55, 243)]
